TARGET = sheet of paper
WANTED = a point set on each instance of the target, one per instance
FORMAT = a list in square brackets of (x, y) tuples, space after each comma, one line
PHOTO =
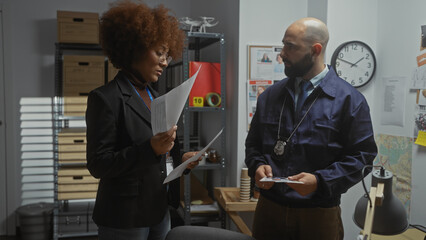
[(393, 101), (177, 172), (421, 139), (418, 78), (166, 109), (279, 180)]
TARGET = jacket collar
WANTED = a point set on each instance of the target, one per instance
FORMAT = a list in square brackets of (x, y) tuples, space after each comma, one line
[(327, 84), (132, 99)]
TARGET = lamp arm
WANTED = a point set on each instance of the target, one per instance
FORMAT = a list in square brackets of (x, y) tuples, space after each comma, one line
[(376, 193)]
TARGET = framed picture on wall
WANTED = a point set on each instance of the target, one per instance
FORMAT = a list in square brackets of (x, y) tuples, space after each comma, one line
[(265, 63)]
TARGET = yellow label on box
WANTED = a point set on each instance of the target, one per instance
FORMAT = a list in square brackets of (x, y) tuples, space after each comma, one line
[(198, 101)]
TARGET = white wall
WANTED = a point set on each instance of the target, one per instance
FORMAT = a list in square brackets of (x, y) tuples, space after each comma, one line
[(398, 45), (354, 20), (29, 45), (392, 29)]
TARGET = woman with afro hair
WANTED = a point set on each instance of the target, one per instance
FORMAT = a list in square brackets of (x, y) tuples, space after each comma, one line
[(132, 201)]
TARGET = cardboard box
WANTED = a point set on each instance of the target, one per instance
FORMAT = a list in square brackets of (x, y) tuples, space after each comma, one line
[(75, 106), (78, 27), (76, 183), (81, 74), (72, 156), (76, 195), (73, 172), (72, 137), (76, 177)]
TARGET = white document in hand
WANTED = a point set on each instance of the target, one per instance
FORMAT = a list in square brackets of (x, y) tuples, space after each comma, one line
[(279, 180), (177, 172), (166, 109)]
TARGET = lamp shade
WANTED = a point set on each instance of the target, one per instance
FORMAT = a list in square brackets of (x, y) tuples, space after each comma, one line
[(390, 218)]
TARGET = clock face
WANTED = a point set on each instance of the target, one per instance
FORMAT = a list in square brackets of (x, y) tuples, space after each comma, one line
[(354, 62)]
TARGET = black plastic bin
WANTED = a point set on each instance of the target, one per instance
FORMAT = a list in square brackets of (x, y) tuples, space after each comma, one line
[(35, 221)]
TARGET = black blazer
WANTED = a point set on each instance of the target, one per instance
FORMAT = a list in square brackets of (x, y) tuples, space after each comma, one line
[(131, 192)]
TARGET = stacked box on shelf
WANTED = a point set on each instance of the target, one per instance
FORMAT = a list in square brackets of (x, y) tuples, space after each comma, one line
[(78, 27), (76, 183), (72, 146), (81, 74), (75, 106)]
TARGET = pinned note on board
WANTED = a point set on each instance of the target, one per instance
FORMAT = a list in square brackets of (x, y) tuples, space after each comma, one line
[(421, 139)]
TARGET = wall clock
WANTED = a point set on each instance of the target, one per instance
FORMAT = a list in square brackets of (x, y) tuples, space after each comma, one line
[(354, 62)]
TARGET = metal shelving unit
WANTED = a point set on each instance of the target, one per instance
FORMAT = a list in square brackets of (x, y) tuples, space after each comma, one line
[(194, 44), (61, 122)]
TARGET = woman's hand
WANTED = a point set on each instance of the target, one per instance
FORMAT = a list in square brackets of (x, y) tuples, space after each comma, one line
[(163, 142), (189, 155)]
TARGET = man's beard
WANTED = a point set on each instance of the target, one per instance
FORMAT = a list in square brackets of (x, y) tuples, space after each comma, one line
[(300, 68)]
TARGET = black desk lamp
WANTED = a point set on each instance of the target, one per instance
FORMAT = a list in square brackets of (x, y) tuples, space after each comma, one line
[(380, 212)]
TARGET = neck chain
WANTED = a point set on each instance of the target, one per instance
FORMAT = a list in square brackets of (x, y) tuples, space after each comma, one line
[(280, 144)]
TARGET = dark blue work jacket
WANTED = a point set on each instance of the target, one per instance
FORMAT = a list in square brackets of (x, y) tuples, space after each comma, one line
[(333, 142)]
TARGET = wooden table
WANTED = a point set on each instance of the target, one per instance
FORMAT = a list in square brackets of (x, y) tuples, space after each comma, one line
[(410, 234), (229, 200)]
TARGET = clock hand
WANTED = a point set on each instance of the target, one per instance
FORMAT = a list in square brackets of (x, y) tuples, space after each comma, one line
[(343, 60), (357, 62)]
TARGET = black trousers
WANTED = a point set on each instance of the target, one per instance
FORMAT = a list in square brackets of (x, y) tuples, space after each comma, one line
[(273, 221)]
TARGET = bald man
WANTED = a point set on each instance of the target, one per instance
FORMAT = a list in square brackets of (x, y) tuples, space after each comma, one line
[(313, 128)]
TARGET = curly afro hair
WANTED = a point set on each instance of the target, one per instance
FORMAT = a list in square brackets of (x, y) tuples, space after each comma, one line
[(128, 30)]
